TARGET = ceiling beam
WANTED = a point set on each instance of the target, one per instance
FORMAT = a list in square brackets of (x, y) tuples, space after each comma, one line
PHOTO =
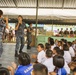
[(15, 3), (40, 7), (62, 4), (58, 22)]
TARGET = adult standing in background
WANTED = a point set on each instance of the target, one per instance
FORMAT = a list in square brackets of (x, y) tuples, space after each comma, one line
[(75, 33), (10, 34), (29, 36), (71, 32), (19, 32), (66, 32), (3, 25), (61, 32)]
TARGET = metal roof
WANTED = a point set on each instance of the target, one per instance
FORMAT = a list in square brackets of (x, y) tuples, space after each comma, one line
[(58, 4), (67, 17)]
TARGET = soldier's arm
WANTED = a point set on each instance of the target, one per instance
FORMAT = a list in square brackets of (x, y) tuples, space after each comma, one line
[(17, 26), (5, 25), (31, 30), (2, 23), (6, 22)]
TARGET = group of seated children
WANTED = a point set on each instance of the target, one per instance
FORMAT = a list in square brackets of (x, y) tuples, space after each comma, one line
[(63, 50), (55, 58)]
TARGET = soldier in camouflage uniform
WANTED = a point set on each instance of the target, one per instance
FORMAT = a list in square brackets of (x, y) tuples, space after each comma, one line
[(29, 36), (19, 32), (2, 27), (2, 30)]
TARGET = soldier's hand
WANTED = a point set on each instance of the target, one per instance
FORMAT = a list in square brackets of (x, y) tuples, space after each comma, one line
[(14, 65), (9, 68), (20, 22), (6, 18)]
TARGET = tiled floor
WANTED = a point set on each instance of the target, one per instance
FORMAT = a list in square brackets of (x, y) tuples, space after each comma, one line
[(8, 54)]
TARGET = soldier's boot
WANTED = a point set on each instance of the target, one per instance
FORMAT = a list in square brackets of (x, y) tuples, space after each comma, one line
[(20, 51), (21, 47), (16, 54), (0, 65), (28, 47)]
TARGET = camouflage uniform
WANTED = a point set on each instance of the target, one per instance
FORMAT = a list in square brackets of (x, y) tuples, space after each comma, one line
[(2, 27), (29, 37), (20, 37)]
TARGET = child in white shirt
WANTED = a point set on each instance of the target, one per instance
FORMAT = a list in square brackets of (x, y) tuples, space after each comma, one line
[(52, 43), (49, 61), (47, 46), (57, 51), (67, 55), (58, 62), (71, 50), (40, 58), (41, 55), (60, 44)]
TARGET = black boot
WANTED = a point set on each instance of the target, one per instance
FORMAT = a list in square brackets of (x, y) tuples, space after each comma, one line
[(20, 51), (28, 47), (0, 65), (16, 54)]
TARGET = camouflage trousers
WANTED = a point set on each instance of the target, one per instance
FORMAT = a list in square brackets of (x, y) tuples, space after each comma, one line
[(1, 46), (19, 43), (29, 39)]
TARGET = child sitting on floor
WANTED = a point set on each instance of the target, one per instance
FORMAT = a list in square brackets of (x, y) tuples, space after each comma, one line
[(49, 61), (25, 66), (58, 62), (41, 54), (39, 69)]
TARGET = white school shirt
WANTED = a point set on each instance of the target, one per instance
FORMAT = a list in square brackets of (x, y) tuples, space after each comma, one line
[(60, 47), (71, 51), (49, 64), (74, 47), (67, 68), (67, 57), (41, 56), (52, 47)]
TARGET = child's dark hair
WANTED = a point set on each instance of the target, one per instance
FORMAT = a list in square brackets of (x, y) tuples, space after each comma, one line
[(57, 49), (52, 42), (1, 13), (47, 46), (65, 41), (51, 39), (69, 43), (40, 69), (24, 59), (41, 45), (65, 47), (58, 61), (20, 16), (49, 53), (4, 71), (61, 52), (60, 42)]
